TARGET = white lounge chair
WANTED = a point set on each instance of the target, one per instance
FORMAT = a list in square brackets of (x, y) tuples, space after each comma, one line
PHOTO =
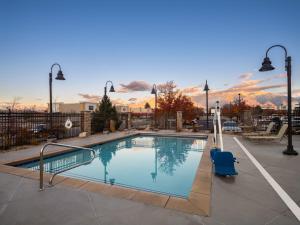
[(263, 133), (277, 137)]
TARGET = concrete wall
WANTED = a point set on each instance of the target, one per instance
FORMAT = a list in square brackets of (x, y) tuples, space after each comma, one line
[(86, 122), (75, 107), (70, 107)]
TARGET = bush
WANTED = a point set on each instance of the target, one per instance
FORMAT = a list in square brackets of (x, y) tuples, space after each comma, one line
[(102, 115)]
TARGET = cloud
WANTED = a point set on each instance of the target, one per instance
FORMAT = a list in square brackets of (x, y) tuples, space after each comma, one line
[(246, 76), (271, 98), (251, 85), (252, 90), (296, 92), (89, 97), (246, 83), (283, 75), (118, 101), (135, 86), (192, 90)]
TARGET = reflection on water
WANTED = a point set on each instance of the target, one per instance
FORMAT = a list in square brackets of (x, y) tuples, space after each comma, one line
[(172, 153), (61, 162), (161, 164), (168, 154)]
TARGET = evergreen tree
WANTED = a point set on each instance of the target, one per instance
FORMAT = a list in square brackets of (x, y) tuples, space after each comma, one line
[(105, 112), (147, 105)]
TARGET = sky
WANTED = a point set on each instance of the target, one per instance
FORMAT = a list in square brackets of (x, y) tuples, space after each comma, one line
[(138, 43)]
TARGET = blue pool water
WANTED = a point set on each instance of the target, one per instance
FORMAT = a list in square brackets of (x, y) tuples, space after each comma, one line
[(152, 163)]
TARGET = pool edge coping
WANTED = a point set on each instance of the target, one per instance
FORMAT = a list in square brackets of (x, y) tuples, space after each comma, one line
[(198, 201)]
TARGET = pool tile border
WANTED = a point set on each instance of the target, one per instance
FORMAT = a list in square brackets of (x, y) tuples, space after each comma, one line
[(198, 202)]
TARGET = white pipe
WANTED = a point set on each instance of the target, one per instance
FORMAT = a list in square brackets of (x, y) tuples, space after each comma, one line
[(220, 126), (215, 128)]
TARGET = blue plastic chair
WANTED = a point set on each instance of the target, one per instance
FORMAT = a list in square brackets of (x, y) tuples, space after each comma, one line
[(224, 164), (213, 152)]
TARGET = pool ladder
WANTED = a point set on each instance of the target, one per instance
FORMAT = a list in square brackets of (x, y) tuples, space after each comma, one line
[(61, 171)]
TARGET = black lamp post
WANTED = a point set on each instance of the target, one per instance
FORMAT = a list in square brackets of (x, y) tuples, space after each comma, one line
[(267, 66), (112, 89), (154, 92), (239, 101), (206, 89), (60, 76)]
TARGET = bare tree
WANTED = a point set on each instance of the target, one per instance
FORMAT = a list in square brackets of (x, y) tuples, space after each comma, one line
[(11, 105), (167, 88)]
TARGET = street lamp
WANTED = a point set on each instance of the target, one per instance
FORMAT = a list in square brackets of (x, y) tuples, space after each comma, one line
[(154, 92), (239, 101), (60, 76), (206, 89), (112, 89), (267, 66)]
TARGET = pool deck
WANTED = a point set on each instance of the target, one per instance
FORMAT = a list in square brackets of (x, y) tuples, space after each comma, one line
[(245, 199), (198, 201)]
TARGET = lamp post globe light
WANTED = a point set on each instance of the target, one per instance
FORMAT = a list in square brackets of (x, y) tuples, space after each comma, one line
[(267, 66), (206, 89), (112, 89), (60, 76), (154, 92)]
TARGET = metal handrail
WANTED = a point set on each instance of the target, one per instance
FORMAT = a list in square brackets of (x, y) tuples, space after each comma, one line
[(62, 145)]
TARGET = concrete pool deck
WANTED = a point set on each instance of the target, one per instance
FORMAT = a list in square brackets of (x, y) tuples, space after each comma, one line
[(245, 199), (198, 201)]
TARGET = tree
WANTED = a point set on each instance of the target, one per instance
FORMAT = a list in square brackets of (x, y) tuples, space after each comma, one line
[(171, 100), (105, 112), (11, 105), (257, 110), (240, 106), (147, 105)]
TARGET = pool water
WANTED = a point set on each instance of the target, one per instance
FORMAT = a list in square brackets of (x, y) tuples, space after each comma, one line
[(164, 165)]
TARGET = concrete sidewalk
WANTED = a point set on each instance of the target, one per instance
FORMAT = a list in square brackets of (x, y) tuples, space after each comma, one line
[(248, 198), (244, 199)]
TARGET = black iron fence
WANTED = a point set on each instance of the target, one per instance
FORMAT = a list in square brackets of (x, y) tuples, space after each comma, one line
[(20, 128), (142, 121)]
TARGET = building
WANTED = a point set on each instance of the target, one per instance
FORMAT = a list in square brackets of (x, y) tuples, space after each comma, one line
[(141, 110), (137, 110), (74, 107), (268, 106), (122, 108), (90, 106), (282, 107), (297, 109)]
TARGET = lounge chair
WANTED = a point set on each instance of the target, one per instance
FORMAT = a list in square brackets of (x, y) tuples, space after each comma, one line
[(266, 132), (277, 137), (224, 164)]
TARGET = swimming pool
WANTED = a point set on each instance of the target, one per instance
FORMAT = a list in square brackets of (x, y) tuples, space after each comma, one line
[(158, 164)]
